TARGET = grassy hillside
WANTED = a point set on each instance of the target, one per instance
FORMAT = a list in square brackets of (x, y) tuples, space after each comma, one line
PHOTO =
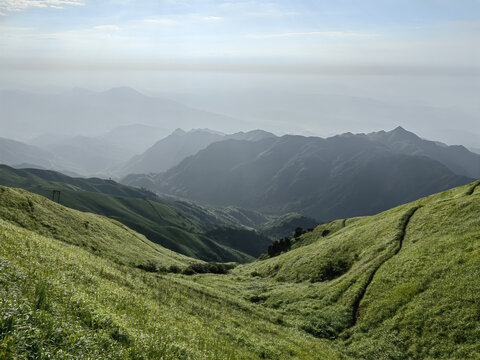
[(177, 225), (101, 236), (68, 291), (402, 284), (398, 285)]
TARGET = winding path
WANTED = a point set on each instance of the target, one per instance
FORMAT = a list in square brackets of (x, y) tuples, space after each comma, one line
[(404, 221)]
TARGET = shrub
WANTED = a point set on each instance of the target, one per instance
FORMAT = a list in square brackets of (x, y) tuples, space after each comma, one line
[(257, 298), (188, 271), (149, 267), (204, 268), (174, 269), (332, 268), (298, 232)]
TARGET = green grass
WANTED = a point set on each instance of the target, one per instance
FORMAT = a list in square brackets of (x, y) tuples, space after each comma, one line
[(99, 235), (178, 226), (402, 284), (59, 299)]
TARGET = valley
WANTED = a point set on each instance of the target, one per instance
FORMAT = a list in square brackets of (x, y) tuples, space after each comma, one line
[(239, 180), (373, 287)]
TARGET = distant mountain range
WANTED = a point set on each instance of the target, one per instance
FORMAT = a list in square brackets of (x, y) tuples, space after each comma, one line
[(456, 157), (171, 150), (133, 138), (99, 155), (342, 176), (78, 111), (16, 153), (113, 154)]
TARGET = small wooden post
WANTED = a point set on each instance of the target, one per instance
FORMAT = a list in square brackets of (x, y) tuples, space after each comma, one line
[(56, 192)]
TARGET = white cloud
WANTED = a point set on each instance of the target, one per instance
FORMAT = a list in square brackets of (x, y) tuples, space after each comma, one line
[(21, 5), (330, 34), (161, 21), (107, 27), (212, 18)]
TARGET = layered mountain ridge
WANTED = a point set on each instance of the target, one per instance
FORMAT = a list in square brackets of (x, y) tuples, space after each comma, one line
[(342, 176)]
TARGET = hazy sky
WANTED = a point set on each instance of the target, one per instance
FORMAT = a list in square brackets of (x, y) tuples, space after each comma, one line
[(263, 61), (197, 33)]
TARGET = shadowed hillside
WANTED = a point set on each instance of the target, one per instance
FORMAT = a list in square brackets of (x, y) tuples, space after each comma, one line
[(338, 177)]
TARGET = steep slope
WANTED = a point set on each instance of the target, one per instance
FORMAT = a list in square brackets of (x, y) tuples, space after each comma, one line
[(398, 285), (171, 150), (72, 291), (338, 177), (475, 150), (457, 158), (179, 226), (99, 235)]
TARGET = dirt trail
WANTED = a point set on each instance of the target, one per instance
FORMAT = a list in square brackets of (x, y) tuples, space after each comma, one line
[(405, 220)]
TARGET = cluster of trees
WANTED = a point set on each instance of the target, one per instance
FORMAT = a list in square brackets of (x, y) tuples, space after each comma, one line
[(211, 267), (150, 266), (196, 268), (284, 244), (279, 246)]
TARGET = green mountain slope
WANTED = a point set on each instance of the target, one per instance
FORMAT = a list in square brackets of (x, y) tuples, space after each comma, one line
[(398, 285), (102, 236), (179, 226), (60, 298), (402, 284)]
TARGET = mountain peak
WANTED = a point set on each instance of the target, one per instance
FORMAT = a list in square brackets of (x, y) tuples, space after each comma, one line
[(123, 91), (178, 132), (399, 129), (400, 132)]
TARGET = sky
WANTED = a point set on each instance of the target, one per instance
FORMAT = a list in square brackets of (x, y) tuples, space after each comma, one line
[(403, 53), (242, 35)]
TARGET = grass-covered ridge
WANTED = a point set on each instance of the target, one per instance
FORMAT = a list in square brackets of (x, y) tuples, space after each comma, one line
[(177, 225), (97, 234), (398, 285), (62, 299), (402, 284)]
